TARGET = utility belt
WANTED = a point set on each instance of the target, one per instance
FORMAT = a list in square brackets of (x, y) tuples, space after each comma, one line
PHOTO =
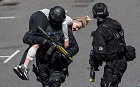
[(35, 70), (65, 70), (114, 56)]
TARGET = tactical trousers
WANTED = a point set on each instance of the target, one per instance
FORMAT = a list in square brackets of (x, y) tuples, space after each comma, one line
[(113, 72), (50, 78)]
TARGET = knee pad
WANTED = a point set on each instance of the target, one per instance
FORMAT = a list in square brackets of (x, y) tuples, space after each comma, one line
[(54, 79), (110, 82), (56, 84), (57, 77), (104, 82), (31, 53), (43, 80), (122, 65), (46, 86), (108, 72)]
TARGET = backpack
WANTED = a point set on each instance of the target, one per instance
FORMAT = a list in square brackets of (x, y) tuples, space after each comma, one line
[(130, 53)]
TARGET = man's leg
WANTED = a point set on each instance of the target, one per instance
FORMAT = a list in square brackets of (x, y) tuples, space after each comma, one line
[(109, 79), (113, 73), (24, 56), (23, 68), (56, 78), (16, 69), (31, 54), (43, 74)]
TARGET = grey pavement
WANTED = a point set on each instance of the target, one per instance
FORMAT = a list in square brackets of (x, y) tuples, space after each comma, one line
[(8, 2), (14, 24)]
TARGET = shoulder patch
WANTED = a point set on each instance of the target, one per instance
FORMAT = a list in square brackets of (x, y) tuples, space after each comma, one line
[(101, 48)]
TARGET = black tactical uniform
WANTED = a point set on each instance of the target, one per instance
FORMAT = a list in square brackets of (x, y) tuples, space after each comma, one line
[(109, 46), (51, 69)]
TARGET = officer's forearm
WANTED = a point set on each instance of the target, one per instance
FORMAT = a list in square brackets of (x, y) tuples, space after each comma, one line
[(31, 40)]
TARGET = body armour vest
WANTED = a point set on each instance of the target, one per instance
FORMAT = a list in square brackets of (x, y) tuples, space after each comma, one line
[(115, 42)]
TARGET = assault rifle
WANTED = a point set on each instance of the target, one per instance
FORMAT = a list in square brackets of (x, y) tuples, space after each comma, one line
[(92, 75), (91, 62), (54, 45)]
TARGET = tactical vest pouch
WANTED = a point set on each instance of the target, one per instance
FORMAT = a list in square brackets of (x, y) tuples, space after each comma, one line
[(130, 53)]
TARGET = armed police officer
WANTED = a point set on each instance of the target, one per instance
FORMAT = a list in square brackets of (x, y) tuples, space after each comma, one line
[(39, 18), (109, 46), (51, 63)]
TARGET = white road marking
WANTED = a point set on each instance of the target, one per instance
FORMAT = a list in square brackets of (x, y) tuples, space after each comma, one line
[(4, 56), (10, 57), (10, 17)]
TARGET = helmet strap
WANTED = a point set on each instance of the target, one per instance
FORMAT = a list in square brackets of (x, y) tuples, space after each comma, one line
[(99, 20)]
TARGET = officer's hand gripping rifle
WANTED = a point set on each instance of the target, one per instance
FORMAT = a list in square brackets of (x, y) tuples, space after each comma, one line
[(54, 45)]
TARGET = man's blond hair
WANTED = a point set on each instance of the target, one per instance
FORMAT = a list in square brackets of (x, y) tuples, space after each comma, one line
[(84, 20)]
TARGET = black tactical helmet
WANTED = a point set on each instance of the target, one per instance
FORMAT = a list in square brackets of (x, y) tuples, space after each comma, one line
[(100, 10), (57, 14)]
